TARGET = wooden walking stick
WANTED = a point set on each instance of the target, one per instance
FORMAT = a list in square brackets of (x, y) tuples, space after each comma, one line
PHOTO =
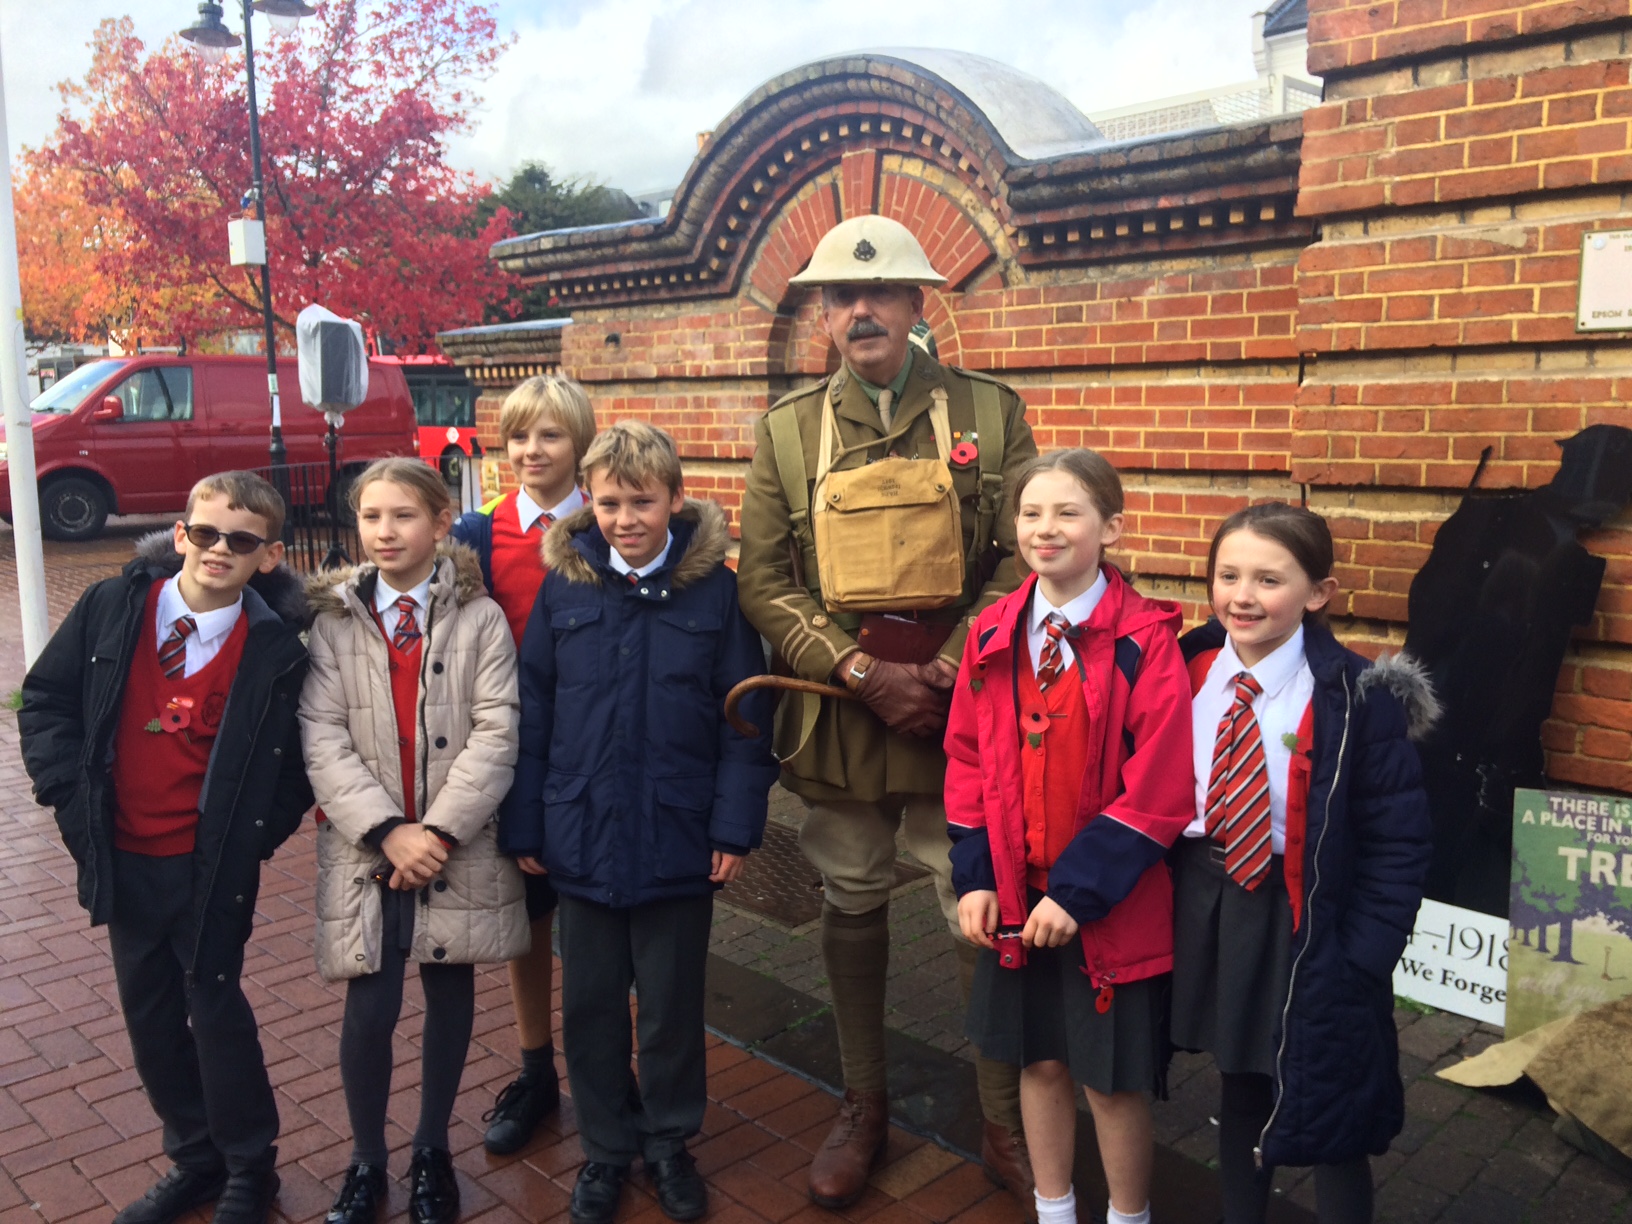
[(788, 683)]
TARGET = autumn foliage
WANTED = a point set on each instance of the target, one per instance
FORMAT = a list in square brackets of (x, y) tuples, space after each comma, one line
[(122, 216)]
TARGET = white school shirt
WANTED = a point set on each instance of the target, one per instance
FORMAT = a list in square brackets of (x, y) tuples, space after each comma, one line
[(385, 603), (1288, 685), (212, 631), (529, 511), (656, 563), (1076, 612)]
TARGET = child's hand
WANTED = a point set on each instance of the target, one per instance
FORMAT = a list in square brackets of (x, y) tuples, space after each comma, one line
[(416, 853), (727, 867), (530, 865), (978, 917), (1049, 926)]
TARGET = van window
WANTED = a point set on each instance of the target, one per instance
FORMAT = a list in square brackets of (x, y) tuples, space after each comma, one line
[(161, 394), (65, 394)]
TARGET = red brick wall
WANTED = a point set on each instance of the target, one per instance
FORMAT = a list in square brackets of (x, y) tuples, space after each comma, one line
[(1463, 149), (1450, 174)]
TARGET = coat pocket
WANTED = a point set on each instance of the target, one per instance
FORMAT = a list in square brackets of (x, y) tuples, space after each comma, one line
[(566, 819), (679, 828), (577, 654)]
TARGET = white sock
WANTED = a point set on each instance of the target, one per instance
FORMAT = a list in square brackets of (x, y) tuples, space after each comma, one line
[(1057, 1211), (1113, 1216)]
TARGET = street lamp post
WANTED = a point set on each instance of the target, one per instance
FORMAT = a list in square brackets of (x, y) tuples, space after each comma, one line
[(211, 39)]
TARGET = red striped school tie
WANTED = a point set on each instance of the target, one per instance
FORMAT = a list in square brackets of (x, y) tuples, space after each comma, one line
[(1051, 660), (1238, 790), (173, 650), (407, 630)]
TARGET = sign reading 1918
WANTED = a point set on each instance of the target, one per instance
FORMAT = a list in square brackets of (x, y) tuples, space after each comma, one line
[(1605, 299)]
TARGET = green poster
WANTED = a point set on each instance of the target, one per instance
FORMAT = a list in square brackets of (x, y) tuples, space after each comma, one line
[(1570, 906)]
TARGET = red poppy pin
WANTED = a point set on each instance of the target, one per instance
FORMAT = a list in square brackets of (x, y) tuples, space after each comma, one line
[(963, 454), (177, 714)]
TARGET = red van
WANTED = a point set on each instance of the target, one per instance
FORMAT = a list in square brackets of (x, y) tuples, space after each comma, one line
[(131, 435)]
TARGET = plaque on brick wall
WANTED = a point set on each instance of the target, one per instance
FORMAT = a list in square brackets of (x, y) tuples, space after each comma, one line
[(1605, 299)]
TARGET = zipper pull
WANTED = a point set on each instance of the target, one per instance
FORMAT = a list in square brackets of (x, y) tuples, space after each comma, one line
[(1258, 1159)]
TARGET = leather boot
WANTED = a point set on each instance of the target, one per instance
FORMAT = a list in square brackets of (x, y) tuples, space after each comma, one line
[(838, 1174), (1008, 1164)]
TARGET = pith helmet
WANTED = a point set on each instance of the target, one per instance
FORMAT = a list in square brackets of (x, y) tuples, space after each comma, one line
[(869, 251)]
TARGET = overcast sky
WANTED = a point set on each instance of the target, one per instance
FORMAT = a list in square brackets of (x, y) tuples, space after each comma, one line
[(617, 90)]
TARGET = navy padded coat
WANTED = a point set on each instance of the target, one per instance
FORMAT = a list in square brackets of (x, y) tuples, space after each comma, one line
[(1338, 1092), (629, 777)]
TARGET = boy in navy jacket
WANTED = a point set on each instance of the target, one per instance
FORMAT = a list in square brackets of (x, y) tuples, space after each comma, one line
[(639, 801)]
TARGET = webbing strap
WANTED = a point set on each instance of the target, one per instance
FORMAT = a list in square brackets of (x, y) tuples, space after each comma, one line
[(989, 427), (790, 470)]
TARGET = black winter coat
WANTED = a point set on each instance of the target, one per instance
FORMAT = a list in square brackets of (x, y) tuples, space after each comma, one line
[(629, 777), (1338, 1093), (255, 788)]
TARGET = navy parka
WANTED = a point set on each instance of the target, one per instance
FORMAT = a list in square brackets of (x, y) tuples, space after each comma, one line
[(1338, 1092), (629, 776)]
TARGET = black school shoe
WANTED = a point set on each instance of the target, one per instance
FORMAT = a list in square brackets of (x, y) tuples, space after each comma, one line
[(247, 1198), (362, 1198), (524, 1102), (173, 1195), (433, 1194), (680, 1189), (595, 1197)]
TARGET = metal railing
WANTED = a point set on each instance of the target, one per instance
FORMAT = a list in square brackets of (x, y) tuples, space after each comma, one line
[(320, 527)]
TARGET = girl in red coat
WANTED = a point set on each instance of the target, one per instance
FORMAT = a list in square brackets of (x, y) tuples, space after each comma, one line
[(1065, 787)]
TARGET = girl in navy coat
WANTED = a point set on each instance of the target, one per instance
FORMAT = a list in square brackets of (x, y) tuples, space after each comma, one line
[(1297, 884)]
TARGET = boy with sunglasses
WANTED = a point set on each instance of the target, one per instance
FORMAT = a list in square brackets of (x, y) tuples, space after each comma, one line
[(160, 724)]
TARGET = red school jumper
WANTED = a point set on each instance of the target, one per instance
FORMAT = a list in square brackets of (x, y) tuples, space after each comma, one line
[(161, 748), (404, 667), (1055, 728), (516, 566)]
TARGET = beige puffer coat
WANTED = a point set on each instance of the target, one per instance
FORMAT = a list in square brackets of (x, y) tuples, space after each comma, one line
[(468, 714)]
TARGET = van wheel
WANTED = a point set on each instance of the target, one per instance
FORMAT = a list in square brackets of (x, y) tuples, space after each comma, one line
[(339, 500), (453, 466), (73, 508)]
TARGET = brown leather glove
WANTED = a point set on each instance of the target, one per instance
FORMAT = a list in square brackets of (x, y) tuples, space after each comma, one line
[(904, 702)]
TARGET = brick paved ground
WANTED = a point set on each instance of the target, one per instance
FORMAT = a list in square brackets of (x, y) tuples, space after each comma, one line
[(77, 1138)]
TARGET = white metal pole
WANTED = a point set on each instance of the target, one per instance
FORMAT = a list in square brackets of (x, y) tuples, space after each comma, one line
[(25, 494)]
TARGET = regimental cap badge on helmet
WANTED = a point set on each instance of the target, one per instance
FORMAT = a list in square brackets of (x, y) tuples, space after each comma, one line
[(869, 251)]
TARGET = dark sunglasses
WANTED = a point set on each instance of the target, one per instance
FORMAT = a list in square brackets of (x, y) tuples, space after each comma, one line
[(241, 542)]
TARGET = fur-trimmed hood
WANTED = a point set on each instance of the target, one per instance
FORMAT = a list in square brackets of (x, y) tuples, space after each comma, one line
[(1407, 679), (575, 548), (458, 570), (283, 590)]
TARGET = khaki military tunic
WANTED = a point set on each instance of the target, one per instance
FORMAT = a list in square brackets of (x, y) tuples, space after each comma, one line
[(850, 754)]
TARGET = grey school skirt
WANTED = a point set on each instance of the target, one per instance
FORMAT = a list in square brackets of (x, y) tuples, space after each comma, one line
[(1046, 1012), (1232, 959)]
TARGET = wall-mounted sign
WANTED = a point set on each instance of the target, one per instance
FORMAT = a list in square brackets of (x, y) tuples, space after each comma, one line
[(1571, 905), (1456, 961), (1605, 299)]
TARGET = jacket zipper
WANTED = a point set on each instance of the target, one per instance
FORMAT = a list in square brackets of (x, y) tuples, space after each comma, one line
[(1309, 934), (422, 754), (237, 793)]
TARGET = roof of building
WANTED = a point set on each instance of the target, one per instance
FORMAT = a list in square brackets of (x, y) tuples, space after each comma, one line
[(1285, 16), (1032, 117)]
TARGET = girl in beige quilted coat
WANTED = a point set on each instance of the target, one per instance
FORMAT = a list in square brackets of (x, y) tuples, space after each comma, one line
[(409, 719)]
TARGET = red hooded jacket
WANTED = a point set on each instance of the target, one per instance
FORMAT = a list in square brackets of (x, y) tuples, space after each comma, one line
[(1137, 795)]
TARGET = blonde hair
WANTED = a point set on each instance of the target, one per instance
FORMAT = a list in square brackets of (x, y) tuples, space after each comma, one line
[(549, 395), (243, 491), (1088, 468), (415, 475), (634, 453)]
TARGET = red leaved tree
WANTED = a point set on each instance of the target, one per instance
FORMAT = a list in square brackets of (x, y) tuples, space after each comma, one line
[(363, 213)]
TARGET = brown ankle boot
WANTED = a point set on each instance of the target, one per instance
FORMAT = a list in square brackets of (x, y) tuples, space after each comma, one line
[(838, 1174), (1008, 1164)]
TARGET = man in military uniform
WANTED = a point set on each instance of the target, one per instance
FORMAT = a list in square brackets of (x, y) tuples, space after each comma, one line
[(870, 767)]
